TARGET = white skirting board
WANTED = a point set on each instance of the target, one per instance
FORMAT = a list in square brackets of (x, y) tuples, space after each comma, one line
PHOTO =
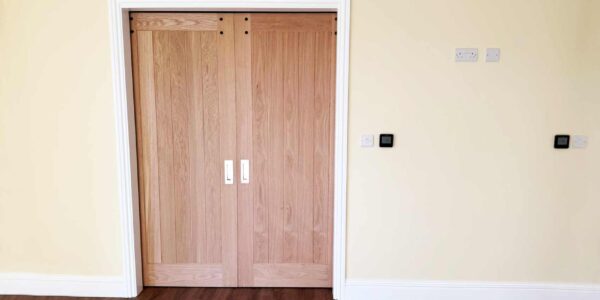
[(404, 290), (99, 286), (62, 285)]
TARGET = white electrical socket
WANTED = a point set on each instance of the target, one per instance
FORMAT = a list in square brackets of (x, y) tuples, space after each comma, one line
[(492, 55), (367, 140), (467, 54), (580, 141)]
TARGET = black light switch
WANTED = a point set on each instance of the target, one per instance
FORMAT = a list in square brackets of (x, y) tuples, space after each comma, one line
[(386, 140), (561, 141)]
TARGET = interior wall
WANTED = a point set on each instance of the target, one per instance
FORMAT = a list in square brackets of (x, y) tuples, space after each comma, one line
[(473, 189), (59, 210)]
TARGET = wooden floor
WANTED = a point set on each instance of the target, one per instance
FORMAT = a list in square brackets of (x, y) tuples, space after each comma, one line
[(211, 294)]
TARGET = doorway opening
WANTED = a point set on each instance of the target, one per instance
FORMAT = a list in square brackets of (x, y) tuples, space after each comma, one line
[(125, 123)]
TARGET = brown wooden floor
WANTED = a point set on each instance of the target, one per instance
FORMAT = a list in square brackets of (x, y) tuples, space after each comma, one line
[(211, 294)]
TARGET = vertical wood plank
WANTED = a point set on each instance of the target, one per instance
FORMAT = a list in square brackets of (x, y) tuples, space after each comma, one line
[(332, 110), (290, 136), (212, 147), (147, 146), (260, 144), (142, 177), (165, 145), (197, 162), (306, 144), (180, 54), (227, 114), (243, 89), (276, 140), (321, 146)]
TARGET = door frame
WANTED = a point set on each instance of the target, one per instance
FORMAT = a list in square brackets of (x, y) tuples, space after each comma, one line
[(125, 123)]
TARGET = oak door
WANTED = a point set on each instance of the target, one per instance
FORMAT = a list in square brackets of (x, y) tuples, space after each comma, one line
[(285, 79), (248, 88), (186, 128)]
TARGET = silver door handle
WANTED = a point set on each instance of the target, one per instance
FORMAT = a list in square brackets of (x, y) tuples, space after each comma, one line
[(245, 171), (229, 172)]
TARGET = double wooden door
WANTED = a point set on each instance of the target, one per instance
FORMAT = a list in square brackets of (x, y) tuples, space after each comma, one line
[(234, 121)]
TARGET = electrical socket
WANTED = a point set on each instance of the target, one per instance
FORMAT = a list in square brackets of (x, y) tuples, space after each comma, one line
[(492, 55), (467, 54)]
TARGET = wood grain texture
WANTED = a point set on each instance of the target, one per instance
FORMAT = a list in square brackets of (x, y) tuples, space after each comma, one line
[(306, 145), (291, 22), (142, 188), (186, 111), (163, 70), (260, 146), (236, 91), (243, 89), (183, 275), (181, 123), (227, 115), (291, 148), (322, 160), (212, 143), (275, 151), (332, 128), (292, 275), (292, 99), (174, 21), (143, 55), (197, 149)]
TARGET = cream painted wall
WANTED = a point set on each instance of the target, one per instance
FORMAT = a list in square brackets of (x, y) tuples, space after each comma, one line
[(58, 190), (473, 189)]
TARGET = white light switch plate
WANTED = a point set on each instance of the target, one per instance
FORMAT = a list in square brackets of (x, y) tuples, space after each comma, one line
[(467, 54), (367, 140), (492, 55), (580, 141)]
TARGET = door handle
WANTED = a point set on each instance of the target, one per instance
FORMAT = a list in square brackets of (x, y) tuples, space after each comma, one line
[(245, 171), (228, 172)]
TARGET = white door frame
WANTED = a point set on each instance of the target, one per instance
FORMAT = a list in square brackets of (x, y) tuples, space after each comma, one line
[(125, 123)]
